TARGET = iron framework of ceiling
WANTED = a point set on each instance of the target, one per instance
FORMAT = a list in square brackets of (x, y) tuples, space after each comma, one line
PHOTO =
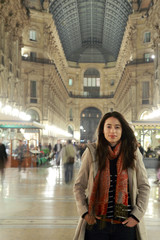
[(91, 30)]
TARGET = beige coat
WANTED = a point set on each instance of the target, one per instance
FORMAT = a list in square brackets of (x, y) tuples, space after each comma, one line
[(138, 186), (68, 151)]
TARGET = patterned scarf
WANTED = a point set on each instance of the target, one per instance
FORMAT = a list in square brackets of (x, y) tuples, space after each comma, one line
[(98, 203)]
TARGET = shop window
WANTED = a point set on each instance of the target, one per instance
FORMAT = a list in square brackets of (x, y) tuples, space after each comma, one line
[(147, 37), (32, 35)]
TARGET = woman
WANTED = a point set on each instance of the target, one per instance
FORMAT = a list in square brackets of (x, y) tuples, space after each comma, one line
[(115, 178)]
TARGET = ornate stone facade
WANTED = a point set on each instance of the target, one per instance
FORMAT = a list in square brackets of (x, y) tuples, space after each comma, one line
[(13, 18), (41, 60)]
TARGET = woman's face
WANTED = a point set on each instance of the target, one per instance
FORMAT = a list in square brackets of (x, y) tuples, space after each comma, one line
[(112, 130)]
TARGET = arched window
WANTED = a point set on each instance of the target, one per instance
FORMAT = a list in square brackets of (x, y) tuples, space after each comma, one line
[(70, 114), (91, 83), (34, 115), (70, 129), (90, 118)]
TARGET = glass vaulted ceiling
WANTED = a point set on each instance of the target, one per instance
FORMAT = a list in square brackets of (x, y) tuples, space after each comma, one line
[(91, 30)]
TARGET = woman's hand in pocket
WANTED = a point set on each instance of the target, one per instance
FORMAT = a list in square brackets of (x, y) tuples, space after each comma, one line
[(90, 219), (130, 222)]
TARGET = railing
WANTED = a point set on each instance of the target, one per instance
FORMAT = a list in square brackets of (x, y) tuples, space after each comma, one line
[(141, 61), (38, 60), (97, 97)]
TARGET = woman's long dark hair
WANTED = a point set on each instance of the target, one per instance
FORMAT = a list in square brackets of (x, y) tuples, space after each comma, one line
[(128, 142)]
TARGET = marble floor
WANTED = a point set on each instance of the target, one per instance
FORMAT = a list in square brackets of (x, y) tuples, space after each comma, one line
[(36, 204)]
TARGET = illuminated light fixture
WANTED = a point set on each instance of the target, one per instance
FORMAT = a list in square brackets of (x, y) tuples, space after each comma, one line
[(28, 117), (154, 114), (15, 112), (136, 134), (24, 116), (7, 109), (153, 56), (57, 130), (25, 55)]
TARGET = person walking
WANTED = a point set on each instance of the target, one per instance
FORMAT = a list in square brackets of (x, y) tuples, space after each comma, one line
[(114, 176), (141, 149), (57, 149), (68, 156), (3, 160), (21, 151)]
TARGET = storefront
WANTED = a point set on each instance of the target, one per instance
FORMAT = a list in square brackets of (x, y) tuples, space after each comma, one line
[(14, 131), (148, 133)]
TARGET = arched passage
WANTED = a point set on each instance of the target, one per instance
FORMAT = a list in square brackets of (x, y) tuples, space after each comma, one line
[(34, 115), (90, 118)]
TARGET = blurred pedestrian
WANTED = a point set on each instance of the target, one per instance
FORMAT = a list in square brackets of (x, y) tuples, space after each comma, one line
[(3, 160), (21, 159), (141, 149), (49, 147), (158, 169), (40, 146), (82, 149), (68, 157), (150, 153), (57, 148)]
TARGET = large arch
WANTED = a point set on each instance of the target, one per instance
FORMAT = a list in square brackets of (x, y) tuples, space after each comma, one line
[(89, 121), (35, 116)]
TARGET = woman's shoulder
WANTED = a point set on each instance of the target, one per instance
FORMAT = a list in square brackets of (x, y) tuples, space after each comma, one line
[(92, 146), (92, 149)]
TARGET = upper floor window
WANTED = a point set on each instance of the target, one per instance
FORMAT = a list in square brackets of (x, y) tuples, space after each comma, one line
[(2, 60), (33, 89), (112, 82), (147, 37), (145, 92), (91, 82), (33, 92), (148, 57), (70, 114), (33, 55), (70, 81), (32, 35)]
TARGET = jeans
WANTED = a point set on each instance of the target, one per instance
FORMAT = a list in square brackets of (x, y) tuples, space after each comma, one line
[(110, 232), (68, 172)]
